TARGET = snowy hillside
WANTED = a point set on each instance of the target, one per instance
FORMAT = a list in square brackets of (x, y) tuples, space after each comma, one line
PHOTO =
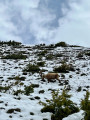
[(16, 103)]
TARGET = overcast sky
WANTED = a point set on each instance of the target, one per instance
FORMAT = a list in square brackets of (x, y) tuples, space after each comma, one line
[(45, 21)]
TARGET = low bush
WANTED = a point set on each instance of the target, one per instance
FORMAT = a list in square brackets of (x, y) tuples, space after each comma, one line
[(61, 44), (11, 42), (58, 55), (18, 92), (60, 105), (15, 56), (31, 68), (4, 89), (13, 109), (41, 64), (64, 68), (49, 57), (35, 85), (88, 53), (42, 53), (28, 89), (79, 89), (80, 55), (85, 105), (19, 78)]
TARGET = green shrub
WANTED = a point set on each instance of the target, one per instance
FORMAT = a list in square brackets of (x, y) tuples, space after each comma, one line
[(40, 58), (79, 89), (88, 53), (49, 57), (35, 85), (61, 44), (19, 78), (18, 92), (85, 105), (4, 89), (13, 109), (13, 43), (28, 90), (42, 53), (58, 55), (41, 64), (32, 68), (15, 56), (60, 105), (80, 55), (64, 68)]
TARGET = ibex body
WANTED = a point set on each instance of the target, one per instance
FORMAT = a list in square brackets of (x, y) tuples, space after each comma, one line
[(50, 76)]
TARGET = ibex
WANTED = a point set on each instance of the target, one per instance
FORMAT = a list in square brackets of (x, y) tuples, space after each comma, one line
[(49, 76)]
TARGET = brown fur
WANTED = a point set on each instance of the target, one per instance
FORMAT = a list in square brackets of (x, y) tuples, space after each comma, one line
[(50, 76)]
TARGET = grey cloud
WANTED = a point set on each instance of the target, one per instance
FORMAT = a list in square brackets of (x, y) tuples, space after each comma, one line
[(38, 21)]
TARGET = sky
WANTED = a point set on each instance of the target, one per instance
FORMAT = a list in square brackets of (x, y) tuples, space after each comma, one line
[(45, 21)]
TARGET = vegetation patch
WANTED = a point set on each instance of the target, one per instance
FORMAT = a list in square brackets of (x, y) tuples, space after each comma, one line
[(64, 68), (88, 53), (79, 89), (85, 105), (60, 105), (41, 63), (31, 113), (18, 92), (41, 91), (15, 56), (35, 85), (32, 68), (58, 55), (4, 89), (49, 57), (10, 43), (19, 78), (61, 44), (80, 55), (42, 53), (28, 90), (37, 97), (13, 110)]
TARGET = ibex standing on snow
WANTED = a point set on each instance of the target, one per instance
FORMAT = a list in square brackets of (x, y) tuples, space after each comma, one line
[(49, 76)]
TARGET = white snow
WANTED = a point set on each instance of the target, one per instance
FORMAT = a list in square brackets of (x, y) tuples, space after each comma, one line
[(12, 68)]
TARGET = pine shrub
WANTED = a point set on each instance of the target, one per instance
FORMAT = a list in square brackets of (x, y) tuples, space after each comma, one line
[(85, 105), (15, 56), (41, 64), (28, 90), (31, 68), (60, 105), (64, 68), (61, 44)]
